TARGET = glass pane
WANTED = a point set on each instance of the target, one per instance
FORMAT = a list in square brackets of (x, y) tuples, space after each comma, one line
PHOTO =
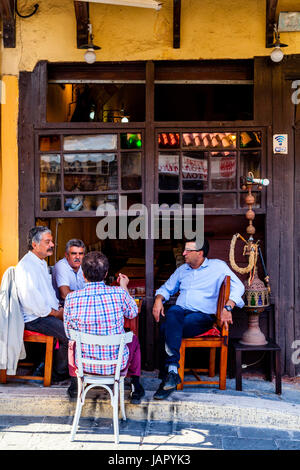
[(219, 201), (50, 173), (91, 142), (192, 198), (89, 203), (133, 199), (212, 139), (202, 102), (131, 170), (50, 203), (49, 142), (250, 139), (257, 202), (194, 170), (168, 171), (90, 172), (131, 141), (250, 161), (223, 170), (96, 102), (167, 198), (168, 140)]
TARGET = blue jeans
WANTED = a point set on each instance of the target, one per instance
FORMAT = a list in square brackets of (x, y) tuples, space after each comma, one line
[(53, 326), (181, 323)]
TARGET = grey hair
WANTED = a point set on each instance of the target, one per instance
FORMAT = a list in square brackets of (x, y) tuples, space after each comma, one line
[(74, 242), (35, 235)]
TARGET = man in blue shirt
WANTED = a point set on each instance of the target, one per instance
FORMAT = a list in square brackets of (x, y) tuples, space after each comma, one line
[(67, 273), (198, 281)]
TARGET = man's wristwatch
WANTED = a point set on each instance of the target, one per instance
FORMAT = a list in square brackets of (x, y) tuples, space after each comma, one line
[(228, 308)]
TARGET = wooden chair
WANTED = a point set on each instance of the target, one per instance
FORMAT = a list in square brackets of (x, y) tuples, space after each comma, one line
[(212, 342), (34, 337)]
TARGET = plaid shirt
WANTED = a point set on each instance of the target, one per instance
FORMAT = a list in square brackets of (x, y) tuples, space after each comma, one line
[(98, 309)]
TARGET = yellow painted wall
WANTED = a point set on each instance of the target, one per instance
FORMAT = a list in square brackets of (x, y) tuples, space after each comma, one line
[(210, 29), (9, 175)]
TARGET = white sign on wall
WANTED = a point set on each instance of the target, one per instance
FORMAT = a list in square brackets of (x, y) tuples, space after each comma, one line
[(280, 143)]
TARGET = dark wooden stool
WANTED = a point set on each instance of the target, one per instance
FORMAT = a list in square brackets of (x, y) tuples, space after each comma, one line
[(271, 348)]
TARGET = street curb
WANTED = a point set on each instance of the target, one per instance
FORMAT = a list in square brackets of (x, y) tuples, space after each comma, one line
[(190, 407)]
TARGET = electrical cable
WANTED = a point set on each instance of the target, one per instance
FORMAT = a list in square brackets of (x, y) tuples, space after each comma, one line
[(244, 366)]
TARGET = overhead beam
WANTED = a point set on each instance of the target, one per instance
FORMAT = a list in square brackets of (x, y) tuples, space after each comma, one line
[(82, 21), (271, 6), (7, 12), (176, 23)]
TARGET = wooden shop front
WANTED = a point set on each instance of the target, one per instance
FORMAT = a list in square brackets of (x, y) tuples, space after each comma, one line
[(156, 133)]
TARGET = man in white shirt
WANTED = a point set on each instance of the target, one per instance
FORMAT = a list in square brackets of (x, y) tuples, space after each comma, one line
[(67, 275), (38, 301)]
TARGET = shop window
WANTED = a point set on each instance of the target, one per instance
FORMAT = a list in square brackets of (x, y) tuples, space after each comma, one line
[(95, 102), (205, 167), (197, 102), (78, 173)]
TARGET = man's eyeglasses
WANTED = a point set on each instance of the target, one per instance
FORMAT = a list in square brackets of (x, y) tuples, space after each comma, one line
[(188, 250)]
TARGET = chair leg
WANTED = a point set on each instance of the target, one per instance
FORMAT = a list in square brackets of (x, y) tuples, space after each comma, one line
[(223, 367), (48, 361), (79, 406), (116, 412), (212, 362), (3, 376), (181, 366), (122, 405)]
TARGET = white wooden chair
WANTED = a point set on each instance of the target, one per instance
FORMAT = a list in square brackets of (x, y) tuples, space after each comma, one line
[(87, 381)]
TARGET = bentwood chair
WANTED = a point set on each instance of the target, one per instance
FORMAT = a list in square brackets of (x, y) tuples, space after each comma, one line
[(215, 338), (87, 381)]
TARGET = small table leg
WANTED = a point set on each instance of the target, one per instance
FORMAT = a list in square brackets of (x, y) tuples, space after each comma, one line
[(238, 370), (278, 373)]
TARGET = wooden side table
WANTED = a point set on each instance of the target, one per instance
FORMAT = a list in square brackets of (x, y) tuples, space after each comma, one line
[(270, 348)]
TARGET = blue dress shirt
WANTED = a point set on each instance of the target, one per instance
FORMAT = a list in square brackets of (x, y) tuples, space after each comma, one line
[(199, 288)]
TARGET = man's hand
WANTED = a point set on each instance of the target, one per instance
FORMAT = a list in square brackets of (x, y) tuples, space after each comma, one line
[(123, 280), (57, 313), (158, 308), (226, 318)]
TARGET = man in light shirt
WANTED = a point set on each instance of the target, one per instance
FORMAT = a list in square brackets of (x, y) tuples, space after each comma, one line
[(38, 301), (67, 275), (198, 280)]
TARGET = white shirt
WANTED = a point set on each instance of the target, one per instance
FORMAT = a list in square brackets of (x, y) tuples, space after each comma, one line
[(64, 275), (34, 286)]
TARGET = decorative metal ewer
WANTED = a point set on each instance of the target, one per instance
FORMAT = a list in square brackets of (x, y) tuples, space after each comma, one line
[(256, 295), (256, 300)]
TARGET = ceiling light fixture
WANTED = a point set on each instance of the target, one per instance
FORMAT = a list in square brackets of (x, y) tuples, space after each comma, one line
[(277, 54), (90, 56)]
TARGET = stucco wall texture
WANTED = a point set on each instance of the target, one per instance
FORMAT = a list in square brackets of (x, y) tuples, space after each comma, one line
[(210, 29)]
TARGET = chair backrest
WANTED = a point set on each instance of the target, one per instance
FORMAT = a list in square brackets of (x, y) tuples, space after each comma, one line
[(223, 297), (86, 338)]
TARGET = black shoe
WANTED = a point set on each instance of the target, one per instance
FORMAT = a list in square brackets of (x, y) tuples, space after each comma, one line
[(39, 371), (59, 377), (162, 394), (72, 390), (137, 393), (171, 381)]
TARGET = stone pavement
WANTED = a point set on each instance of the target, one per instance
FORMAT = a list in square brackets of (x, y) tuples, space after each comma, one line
[(197, 418)]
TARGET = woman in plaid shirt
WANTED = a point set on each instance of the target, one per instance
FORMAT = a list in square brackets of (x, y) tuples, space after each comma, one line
[(99, 309)]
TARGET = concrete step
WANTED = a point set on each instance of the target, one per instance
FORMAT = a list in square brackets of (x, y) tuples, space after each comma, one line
[(210, 406)]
